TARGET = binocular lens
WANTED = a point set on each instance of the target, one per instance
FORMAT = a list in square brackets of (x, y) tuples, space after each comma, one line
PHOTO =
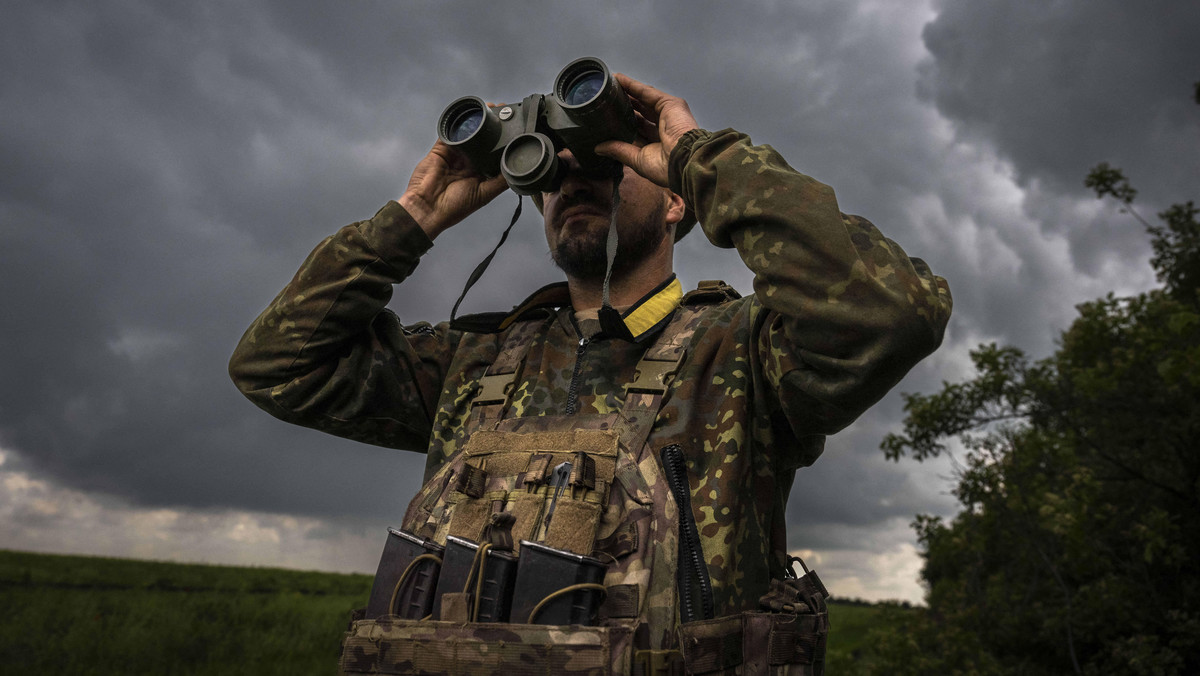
[(470, 126), (462, 123), (583, 87), (529, 164)]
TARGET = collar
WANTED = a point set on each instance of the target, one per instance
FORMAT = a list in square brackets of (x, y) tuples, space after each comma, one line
[(540, 303), (649, 313), (641, 320)]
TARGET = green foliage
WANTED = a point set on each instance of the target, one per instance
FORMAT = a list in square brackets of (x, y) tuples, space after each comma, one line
[(1075, 547), (1177, 249), (84, 615), (1176, 243), (1110, 181), (852, 626), (96, 572), (997, 397), (917, 643)]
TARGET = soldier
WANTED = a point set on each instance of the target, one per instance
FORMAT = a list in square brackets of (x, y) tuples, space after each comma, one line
[(691, 413)]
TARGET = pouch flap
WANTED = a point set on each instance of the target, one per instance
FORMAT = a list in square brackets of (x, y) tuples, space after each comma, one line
[(712, 645)]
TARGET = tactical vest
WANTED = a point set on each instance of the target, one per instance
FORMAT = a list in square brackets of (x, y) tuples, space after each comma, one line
[(580, 509)]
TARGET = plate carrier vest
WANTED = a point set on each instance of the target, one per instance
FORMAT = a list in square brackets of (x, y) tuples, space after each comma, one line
[(618, 505)]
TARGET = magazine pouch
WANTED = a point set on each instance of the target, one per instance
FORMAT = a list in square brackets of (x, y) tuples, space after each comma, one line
[(406, 577), (785, 637)]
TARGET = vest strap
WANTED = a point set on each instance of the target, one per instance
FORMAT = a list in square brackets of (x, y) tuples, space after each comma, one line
[(658, 663), (655, 371), (495, 387), (654, 376)]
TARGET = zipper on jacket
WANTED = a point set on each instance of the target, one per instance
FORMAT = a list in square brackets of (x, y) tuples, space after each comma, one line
[(573, 389), (695, 588)]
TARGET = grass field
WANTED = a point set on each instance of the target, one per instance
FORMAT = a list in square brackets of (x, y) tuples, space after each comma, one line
[(87, 615), (849, 635), (84, 615)]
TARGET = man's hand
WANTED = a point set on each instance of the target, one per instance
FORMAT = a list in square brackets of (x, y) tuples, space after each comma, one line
[(662, 119), (444, 189)]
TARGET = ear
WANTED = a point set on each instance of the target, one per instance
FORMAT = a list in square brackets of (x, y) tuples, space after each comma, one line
[(675, 208)]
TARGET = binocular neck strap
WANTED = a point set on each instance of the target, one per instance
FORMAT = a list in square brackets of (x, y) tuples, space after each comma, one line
[(612, 239), (479, 269), (610, 319)]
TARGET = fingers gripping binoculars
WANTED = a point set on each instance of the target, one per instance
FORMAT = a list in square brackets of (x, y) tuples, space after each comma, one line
[(522, 141)]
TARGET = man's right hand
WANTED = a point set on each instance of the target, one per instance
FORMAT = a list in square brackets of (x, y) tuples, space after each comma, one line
[(662, 119), (445, 189)]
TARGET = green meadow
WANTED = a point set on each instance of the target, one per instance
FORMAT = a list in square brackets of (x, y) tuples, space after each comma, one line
[(89, 615)]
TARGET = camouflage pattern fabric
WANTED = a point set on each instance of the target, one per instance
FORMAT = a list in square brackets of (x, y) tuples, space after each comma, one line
[(840, 313), (482, 649), (739, 645), (622, 512)]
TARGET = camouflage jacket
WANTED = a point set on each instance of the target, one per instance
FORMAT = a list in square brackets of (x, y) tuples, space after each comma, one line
[(838, 316)]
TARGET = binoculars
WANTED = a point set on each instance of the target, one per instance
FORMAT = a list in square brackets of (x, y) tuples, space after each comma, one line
[(522, 141)]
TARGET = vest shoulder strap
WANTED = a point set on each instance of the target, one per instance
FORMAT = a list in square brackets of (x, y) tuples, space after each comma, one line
[(497, 382)]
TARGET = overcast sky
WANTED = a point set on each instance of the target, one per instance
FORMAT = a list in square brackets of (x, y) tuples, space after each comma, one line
[(167, 166)]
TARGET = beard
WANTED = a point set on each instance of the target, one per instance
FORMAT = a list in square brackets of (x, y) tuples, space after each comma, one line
[(585, 256)]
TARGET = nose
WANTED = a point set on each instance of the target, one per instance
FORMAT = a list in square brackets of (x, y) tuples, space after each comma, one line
[(576, 185)]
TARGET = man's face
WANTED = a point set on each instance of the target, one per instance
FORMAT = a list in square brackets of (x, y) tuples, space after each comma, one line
[(577, 219)]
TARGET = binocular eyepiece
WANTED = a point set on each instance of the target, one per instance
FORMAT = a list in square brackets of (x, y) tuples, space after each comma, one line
[(522, 141)]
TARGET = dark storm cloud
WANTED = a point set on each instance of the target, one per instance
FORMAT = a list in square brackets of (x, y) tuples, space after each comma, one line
[(1058, 87), (162, 170)]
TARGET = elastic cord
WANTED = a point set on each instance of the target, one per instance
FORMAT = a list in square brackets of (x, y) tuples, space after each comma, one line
[(582, 586), (477, 568), (412, 565)]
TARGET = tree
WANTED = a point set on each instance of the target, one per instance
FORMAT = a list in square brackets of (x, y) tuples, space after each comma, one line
[(1079, 485), (1176, 246)]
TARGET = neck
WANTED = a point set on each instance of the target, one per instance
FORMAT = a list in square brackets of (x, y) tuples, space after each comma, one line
[(626, 289)]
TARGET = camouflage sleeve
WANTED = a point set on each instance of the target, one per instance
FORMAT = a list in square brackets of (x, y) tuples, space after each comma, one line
[(841, 313), (327, 354)]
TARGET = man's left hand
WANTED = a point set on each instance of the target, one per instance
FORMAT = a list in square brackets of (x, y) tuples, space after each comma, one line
[(662, 119)]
